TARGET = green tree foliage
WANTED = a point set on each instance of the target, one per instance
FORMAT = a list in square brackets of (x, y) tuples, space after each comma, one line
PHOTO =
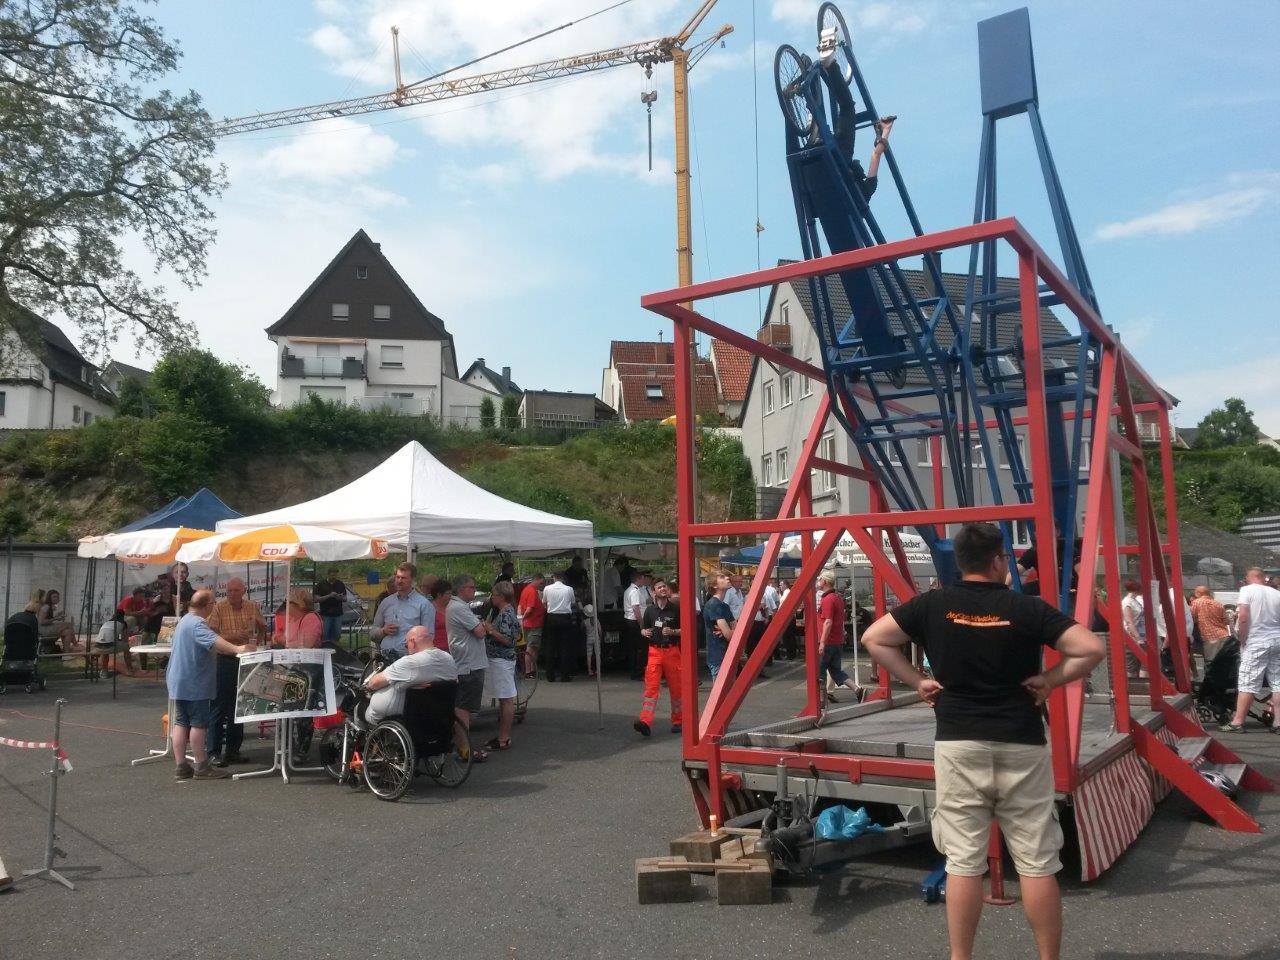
[(487, 413), (1229, 425), (94, 152), (510, 412)]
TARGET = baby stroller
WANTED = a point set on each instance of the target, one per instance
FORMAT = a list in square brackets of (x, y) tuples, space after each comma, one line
[(1216, 693), (20, 664)]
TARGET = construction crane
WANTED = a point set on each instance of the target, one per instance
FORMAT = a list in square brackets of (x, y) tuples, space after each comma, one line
[(440, 87)]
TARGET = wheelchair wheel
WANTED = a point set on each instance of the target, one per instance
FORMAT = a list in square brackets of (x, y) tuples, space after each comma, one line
[(330, 751), (388, 760), (449, 769)]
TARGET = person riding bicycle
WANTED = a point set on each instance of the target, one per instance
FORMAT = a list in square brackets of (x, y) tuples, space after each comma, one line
[(423, 666)]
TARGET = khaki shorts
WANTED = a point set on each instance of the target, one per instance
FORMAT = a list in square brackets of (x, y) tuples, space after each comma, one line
[(1012, 782)]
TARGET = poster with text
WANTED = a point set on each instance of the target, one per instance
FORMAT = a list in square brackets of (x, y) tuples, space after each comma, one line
[(281, 684)]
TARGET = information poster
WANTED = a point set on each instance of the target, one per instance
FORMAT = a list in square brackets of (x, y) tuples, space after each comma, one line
[(281, 684)]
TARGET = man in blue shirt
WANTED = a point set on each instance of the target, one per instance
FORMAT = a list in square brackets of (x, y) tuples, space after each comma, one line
[(401, 610), (192, 681), (719, 620)]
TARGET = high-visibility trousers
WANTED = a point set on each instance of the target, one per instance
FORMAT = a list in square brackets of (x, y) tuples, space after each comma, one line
[(663, 662)]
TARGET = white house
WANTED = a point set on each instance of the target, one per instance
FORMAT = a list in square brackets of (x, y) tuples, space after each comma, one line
[(46, 383), (358, 335)]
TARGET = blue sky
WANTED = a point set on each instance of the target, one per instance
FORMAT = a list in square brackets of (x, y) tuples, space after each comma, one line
[(529, 222)]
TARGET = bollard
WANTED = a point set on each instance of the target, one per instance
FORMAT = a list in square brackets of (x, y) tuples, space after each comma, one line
[(995, 866)]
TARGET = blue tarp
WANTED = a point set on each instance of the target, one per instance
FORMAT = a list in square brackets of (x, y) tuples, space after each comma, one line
[(200, 511), (751, 557)]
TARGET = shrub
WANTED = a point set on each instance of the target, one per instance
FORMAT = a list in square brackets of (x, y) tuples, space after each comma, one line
[(487, 414)]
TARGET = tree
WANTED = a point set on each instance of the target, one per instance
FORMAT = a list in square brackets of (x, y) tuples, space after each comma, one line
[(1229, 425), (198, 386), (93, 154), (510, 412), (487, 413)]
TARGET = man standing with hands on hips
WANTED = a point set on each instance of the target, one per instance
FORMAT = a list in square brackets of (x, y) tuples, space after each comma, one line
[(403, 609), (991, 759)]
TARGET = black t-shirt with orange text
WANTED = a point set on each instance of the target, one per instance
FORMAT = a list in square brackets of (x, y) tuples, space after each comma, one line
[(983, 640)]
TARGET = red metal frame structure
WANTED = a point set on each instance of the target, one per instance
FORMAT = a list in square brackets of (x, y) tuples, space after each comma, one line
[(1158, 559)]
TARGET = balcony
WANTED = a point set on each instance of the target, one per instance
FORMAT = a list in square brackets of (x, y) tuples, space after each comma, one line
[(337, 368), (408, 406)]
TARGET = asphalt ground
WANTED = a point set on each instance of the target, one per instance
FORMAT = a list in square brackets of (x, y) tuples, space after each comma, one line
[(531, 858)]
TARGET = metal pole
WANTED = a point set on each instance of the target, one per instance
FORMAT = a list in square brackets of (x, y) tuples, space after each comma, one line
[(595, 615), (50, 849), (8, 579)]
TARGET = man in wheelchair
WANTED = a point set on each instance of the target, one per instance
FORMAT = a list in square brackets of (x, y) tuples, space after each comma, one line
[(419, 690)]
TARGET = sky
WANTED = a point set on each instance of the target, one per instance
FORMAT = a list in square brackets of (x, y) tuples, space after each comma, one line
[(529, 221)]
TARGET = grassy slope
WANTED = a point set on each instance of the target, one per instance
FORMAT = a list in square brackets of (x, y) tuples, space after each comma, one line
[(618, 479)]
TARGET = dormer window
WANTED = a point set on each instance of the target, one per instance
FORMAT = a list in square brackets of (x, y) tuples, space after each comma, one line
[(362, 272), (341, 311), (653, 391)]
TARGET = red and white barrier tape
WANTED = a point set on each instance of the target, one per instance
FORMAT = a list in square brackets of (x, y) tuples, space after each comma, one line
[(39, 745)]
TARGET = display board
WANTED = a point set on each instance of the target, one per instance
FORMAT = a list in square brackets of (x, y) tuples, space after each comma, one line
[(281, 684)]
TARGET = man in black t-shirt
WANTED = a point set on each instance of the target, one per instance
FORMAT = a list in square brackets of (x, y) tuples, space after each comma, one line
[(984, 644), (331, 597), (660, 627)]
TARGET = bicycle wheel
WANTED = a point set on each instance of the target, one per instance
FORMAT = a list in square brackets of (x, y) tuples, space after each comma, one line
[(388, 760), (330, 751), (789, 68), (449, 769), (830, 18), (525, 686)]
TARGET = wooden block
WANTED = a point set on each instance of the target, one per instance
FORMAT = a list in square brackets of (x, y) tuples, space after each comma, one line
[(742, 848), (741, 887), (700, 847), (660, 880)]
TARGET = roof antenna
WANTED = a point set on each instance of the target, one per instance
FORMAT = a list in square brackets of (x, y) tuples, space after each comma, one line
[(659, 336)]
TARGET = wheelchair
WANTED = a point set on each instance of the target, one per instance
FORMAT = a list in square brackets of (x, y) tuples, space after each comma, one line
[(386, 756)]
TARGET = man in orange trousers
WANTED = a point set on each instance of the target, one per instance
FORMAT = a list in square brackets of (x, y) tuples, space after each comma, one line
[(660, 626)]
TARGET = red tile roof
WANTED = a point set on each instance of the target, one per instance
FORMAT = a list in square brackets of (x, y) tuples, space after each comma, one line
[(639, 351), (636, 377), (733, 370)]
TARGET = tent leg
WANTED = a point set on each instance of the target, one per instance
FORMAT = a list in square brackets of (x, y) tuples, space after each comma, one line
[(595, 615)]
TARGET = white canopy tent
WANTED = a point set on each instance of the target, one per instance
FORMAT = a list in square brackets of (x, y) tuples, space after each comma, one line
[(413, 501)]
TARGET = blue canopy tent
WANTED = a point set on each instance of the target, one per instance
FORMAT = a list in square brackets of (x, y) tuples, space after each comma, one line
[(200, 511)]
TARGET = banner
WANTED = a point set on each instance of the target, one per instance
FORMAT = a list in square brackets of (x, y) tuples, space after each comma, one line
[(281, 684)]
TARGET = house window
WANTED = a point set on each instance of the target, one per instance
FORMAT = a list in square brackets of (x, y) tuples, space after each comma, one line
[(784, 470), (979, 459), (766, 471), (1086, 453), (88, 418), (331, 394), (341, 311), (75, 413), (2, 399), (788, 380), (362, 272), (784, 313), (1021, 534), (827, 451), (392, 357), (891, 451), (653, 391), (768, 397), (382, 311), (806, 385), (924, 452)]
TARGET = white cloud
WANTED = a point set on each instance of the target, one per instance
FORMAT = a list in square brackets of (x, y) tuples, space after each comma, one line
[(1204, 387), (879, 18), (1245, 196), (329, 150), (550, 130)]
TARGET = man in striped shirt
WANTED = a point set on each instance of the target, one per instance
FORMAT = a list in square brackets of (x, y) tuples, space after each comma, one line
[(237, 620)]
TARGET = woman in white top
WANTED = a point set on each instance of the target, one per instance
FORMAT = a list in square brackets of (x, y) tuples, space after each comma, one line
[(1133, 611)]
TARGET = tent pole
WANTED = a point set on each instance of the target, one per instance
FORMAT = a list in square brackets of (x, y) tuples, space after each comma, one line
[(595, 615)]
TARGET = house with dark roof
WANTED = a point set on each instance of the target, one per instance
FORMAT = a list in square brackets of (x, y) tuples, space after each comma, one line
[(115, 373), (780, 405), (359, 335), (639, 382), (499, 384), (45, 382)]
